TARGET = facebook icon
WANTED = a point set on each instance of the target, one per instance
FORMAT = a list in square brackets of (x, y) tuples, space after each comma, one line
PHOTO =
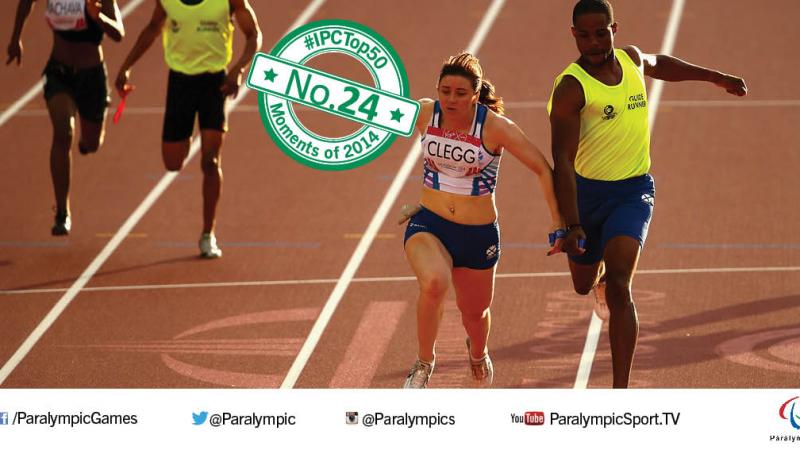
[(3, 418)]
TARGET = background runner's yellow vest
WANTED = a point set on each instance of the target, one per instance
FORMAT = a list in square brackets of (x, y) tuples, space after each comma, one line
[(197, 38), (615, 133)]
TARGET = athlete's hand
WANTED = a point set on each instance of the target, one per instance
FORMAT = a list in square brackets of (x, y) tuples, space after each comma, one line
[(230, 87), (407, 212), (733, 85), (121, 83), (15, 52), (93, 8), (571, 244), (556, 238)]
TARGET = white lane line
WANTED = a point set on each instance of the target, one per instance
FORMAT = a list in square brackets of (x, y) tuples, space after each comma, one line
[(372, 229), (589, 350), (120, 235), (37, 88), (261, 283), (667, 46)]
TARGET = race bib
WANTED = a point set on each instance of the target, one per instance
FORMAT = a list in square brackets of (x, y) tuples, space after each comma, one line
[(66, 15)]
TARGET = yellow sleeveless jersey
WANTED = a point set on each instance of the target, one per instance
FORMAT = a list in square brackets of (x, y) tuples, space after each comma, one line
[(615, 132), (197, 38)]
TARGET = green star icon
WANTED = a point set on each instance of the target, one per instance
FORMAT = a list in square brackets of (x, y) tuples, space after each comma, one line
[(270, 75), (396, 115)]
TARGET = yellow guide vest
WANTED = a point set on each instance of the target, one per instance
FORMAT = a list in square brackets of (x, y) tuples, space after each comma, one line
[(197, 38), (615, 133)]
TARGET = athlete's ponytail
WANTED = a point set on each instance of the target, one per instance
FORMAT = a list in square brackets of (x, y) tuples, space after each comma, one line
[(488, 97), (468, 66)]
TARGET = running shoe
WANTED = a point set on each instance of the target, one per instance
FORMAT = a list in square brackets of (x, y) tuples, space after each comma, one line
[(600, 304), (482, 369), (419, 375), (62, 224), (208, 246)]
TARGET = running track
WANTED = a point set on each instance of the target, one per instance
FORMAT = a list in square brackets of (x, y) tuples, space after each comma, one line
[(718, 291)]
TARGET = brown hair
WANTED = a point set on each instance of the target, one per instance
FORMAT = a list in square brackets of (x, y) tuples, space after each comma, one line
[(468, 66)]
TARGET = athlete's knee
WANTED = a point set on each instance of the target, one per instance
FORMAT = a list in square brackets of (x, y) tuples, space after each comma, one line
[(434, 285), (618, 292), (618, 282), (474, 315), (211, 165), (173, 165), (582, 288), (62, 138), (90, 145), (173, 155)]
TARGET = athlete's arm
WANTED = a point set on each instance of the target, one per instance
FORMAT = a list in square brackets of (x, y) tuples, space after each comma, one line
[(670, 68), (106, 14), (15, 46), (150, 32), (508, 135), (565, 127), (425, 113), (246, 19)]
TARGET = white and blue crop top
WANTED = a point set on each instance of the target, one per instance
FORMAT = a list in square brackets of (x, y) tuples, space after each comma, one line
[(456, 162)]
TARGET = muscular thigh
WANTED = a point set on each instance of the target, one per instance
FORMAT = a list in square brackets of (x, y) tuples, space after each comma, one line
[(181, 107), (429, 260), (621, 258), (211, 108), (474, 288), (92, 94), (61, 109)]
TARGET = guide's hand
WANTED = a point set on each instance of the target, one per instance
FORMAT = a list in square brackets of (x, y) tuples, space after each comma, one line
[(230, 87), (574, 241), (732, 84), (14, 52), (407, 212)]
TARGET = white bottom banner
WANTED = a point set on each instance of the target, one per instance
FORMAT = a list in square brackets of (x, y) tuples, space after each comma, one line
[(396, 419)]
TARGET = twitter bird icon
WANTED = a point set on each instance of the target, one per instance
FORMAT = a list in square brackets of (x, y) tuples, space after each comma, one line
[(200, 419)]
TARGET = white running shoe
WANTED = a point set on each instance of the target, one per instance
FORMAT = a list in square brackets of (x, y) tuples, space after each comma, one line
[(419, 375), (600, 304), (208, 246), (482, 369)]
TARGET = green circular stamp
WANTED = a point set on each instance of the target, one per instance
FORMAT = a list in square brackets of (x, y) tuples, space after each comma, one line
[(282, 80)]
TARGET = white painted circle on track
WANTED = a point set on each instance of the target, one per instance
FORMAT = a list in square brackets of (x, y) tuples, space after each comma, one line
[(787, 350), (216, 351), (774, 350)]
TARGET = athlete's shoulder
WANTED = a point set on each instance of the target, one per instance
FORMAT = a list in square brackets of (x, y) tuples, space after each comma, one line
[(238, 4), (497, 127), (634, 53), (568, 94), (495, 120), (425, 113)]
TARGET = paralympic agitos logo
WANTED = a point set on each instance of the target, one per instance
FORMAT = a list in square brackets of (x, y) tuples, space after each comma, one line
[(794, 418)]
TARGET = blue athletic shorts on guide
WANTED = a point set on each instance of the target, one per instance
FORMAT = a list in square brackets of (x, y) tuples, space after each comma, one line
[(613, 208), (471, 246)]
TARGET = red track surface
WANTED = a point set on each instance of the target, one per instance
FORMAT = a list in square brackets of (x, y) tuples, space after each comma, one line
[(726, 195)]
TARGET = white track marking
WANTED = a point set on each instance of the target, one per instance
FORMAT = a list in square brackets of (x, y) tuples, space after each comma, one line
[(120, 235), (37, 88), (372, 229), (593, 334), (259, 283)]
